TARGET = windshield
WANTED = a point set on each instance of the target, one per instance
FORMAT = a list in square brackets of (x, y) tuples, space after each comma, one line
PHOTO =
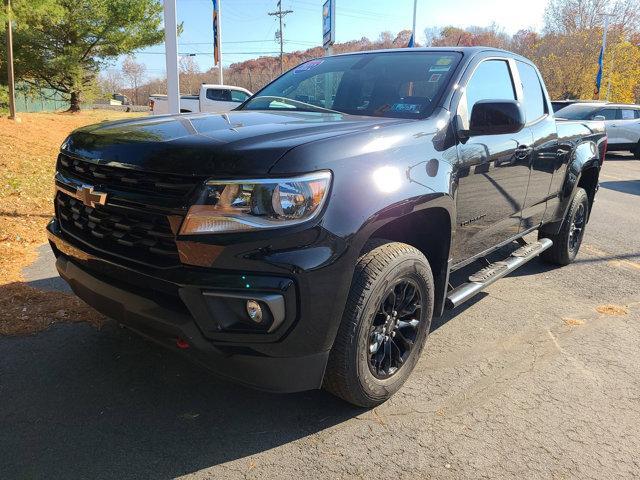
[(578, 112), (390, 84)]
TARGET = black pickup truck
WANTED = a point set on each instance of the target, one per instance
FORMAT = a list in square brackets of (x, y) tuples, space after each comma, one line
[(306, 239)]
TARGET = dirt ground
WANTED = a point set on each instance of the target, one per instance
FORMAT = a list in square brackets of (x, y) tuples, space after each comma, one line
[(28, 152)]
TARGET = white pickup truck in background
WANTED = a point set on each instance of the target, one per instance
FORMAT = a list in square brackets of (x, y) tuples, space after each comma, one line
[(212, 98)]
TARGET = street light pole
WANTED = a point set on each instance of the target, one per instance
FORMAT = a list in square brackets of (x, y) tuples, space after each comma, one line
[(413, 30), (171, 56), (10, 73)]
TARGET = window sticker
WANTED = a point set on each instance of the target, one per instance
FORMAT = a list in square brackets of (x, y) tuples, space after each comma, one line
[(435, 77), (440, 68), (308, 66), (406, 107), (444, 61)]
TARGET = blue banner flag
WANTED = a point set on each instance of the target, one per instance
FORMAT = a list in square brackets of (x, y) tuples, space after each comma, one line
[(411, 43), (216, 17), (599, 75)]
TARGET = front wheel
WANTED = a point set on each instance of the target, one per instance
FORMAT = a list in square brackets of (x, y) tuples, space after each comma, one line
[(384, 326), (567, 241)]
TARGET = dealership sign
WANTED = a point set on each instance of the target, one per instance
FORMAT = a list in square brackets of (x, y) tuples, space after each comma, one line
[(328, 23)]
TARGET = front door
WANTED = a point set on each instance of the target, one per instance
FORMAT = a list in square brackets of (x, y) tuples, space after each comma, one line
[(492, 171)]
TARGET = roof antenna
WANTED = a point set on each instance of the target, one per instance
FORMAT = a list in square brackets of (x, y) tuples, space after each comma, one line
[(458, 42)]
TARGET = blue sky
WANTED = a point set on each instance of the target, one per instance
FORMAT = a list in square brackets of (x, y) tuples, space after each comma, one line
[(248, 32)]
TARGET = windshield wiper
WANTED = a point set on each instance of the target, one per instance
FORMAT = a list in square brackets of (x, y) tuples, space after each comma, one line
[(307, 107)]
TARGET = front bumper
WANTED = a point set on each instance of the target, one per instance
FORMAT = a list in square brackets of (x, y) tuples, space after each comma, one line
[(173, 305)]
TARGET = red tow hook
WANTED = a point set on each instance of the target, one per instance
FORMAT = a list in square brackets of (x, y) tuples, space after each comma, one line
[(182, 344)]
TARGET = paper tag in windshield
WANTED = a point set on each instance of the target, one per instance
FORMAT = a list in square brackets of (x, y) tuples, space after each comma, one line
[(308, 66), (406, 107)]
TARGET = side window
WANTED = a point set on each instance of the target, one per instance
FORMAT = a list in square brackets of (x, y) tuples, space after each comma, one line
[(608, 113), (627, 114), (491, 81), (218, 94), (534, 104), (238, 96)]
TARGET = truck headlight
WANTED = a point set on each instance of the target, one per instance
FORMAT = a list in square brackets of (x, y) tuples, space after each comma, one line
[(243, 205)]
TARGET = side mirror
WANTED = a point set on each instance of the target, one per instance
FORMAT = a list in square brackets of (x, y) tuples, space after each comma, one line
[(599, 118), (494, 117)]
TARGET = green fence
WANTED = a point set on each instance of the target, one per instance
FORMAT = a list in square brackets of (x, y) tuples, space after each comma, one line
[(30, 99)]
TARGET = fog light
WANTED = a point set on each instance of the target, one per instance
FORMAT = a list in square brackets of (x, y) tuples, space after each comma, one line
[(254, 310)]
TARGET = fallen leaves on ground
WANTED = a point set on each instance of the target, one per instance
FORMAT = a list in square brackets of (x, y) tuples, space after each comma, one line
[(615, 310), (28, 153), (573, 322)]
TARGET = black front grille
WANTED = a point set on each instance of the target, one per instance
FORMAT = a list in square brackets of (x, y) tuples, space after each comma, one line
[(140, 236), (164, 184)]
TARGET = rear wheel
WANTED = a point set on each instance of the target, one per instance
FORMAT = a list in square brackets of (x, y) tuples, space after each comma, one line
[(566, 243), (636, 151), (384, 326)]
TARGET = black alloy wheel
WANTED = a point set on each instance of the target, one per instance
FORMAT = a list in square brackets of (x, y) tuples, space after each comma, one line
[(394, 329), (576, 230)]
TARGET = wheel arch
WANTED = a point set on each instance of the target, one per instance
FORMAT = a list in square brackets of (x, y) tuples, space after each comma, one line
[(430, 231), (583, 171)]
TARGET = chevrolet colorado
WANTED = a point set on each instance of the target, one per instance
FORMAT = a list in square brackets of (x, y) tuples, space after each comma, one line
[(306, 239)]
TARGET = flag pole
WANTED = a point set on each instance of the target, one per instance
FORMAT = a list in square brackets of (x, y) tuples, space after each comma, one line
[(10, 73), (604, 47), (217, 38)]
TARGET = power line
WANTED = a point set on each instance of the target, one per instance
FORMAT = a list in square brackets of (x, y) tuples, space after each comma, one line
[(281, 14)]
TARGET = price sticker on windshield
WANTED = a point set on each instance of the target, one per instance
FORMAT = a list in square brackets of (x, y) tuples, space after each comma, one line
[(308, 66)]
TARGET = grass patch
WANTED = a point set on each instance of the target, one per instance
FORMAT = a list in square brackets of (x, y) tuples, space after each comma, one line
[(28, 152)]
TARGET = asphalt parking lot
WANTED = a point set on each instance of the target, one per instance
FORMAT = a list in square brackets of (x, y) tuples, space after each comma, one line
[(536, 378)]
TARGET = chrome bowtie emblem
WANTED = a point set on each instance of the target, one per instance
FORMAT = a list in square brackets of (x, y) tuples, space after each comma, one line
[(87, 195)]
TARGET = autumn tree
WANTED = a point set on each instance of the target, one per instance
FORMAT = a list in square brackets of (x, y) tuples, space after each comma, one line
[(66, 51)]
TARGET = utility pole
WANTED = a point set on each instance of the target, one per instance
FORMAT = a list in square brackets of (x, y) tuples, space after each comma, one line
[(10, 74), (281, 14)]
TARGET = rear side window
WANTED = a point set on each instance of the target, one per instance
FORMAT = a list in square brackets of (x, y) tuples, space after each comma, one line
[(534, 104), (628, 114), (491, 81), (238, 96), (608, 113), (218, 94)]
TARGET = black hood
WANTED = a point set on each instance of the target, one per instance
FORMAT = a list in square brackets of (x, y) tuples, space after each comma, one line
[(236, 143)]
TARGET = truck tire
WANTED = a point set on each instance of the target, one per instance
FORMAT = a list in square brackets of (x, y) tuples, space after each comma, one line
[(566, 242), (384, 325)]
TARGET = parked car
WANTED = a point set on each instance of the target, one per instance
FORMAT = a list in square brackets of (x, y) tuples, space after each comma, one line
[(560, 104), (622, 122), (212, 98), (291, 245)]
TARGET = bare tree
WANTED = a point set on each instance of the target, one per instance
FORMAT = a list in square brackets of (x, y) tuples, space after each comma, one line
[(134, 74), (110, 82), (570, 16), (189, 75)]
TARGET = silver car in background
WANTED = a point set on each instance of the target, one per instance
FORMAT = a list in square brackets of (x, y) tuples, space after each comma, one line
[(622, 122)]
